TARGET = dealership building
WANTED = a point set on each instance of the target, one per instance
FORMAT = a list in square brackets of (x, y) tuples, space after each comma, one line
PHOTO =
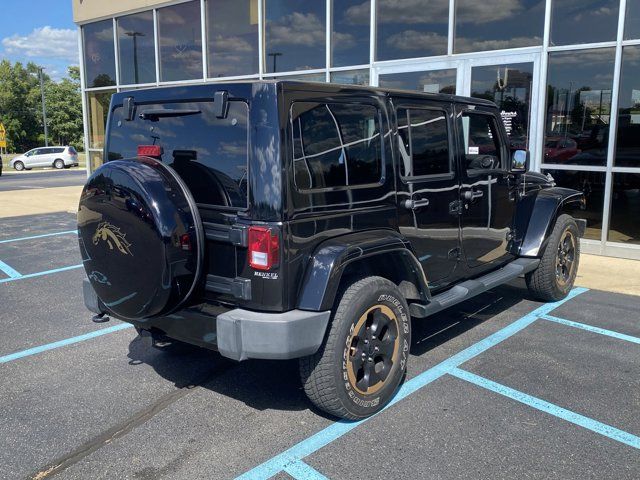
[(564, 73)]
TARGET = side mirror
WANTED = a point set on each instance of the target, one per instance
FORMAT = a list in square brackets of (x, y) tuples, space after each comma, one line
[(520, 161)]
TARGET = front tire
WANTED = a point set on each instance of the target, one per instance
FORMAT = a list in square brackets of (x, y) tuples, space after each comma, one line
[(556, 274), (19, 166), (363, 360)]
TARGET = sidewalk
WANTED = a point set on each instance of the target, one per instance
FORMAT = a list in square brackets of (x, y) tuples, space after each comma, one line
[(16, 203), (610, 274)]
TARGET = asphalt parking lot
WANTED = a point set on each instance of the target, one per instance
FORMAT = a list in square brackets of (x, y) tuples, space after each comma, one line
[(499, 387), (42, 179)]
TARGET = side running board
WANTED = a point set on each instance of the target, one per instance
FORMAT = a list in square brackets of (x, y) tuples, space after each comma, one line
[(471, 288)]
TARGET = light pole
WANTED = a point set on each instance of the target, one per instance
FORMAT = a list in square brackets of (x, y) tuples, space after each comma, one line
[(44, 108), (135, 36), (275, 55)]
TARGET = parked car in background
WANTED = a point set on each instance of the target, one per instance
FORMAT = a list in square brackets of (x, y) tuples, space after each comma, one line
[(57, 157)]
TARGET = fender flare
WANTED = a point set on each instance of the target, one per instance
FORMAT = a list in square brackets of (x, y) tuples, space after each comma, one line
[(326, 266), (540, 213)]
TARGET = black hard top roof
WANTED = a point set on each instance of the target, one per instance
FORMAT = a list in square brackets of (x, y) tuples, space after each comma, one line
[(299, 85), (337, 87)]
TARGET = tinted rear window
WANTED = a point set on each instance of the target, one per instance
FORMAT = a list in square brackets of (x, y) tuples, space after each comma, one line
[(209, 153)]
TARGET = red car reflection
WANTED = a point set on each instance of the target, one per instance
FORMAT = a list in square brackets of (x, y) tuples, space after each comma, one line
[(558, 149)]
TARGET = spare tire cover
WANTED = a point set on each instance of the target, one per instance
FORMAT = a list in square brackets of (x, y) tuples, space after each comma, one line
[(141, 238)]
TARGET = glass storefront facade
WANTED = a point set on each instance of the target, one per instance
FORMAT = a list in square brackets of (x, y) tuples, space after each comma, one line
[(565, 74)]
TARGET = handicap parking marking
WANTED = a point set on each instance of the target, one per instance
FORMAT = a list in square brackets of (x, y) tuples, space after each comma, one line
[(591, 328), (63, 343), (550, 408), (306, 447), (32, 237), (9, 271), (36, 274)]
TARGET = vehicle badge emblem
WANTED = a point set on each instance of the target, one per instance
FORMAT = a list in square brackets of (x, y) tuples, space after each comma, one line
[(113, 236)]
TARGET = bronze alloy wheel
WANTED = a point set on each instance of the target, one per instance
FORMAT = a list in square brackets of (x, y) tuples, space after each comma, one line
[(565, 258), (363, 359), (373, 350)]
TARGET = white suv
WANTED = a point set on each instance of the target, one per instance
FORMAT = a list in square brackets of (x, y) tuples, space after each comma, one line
[(57, 157)]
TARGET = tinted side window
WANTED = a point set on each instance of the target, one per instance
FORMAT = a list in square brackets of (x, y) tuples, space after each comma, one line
[(481, 141), (57, 150), (423, 142), (335, 145)]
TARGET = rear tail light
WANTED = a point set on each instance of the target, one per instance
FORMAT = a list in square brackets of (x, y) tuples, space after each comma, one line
[(264, 248)]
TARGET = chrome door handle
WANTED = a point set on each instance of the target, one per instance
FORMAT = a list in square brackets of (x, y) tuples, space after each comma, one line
[(472, 194), (414, 204)]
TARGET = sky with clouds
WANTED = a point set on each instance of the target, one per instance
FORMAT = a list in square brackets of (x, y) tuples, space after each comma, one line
[(41, 31)]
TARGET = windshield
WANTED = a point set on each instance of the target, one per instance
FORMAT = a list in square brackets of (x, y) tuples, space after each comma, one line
[(209, 153)]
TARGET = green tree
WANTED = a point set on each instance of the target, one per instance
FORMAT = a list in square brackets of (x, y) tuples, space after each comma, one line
[(64, 110), (21, 107), (19, 86)]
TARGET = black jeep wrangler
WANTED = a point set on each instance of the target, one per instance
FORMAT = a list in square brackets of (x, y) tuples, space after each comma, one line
[(279, 220)]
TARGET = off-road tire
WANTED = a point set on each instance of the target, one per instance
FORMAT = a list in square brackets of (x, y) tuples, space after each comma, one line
[(18, 166), (58, 164), (543, 282), (326, 374)]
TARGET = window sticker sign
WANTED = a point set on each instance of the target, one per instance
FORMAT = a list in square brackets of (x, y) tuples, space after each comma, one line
[(3, 136)]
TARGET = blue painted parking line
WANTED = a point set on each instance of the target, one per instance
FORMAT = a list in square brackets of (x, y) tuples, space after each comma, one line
[(336, 430), (302, 471), (63, 343), (591, 328), (550, 408), (39, 274), (9, 271), (20, 239)]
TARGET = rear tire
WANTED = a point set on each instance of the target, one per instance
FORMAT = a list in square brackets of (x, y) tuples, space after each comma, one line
[(19, 166), (556, 274), (363, 359), (59, 164)]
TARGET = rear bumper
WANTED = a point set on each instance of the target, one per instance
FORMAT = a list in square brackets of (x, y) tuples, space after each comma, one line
[(244, 334), (237, 334)]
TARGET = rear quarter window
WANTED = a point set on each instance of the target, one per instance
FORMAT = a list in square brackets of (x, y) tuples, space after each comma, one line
[(209, 153), (335, 145)]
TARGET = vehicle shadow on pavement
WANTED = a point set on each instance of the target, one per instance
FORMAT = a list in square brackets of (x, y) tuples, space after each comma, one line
[(260, 384), (271, 384), (427, 334)]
